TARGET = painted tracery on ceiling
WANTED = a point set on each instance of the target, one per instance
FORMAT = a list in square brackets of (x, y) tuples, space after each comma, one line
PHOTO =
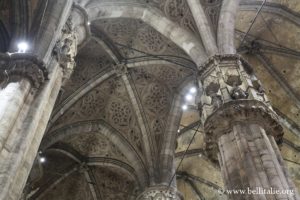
[(110, 102), (95, 145), (155, 86), (90, 61), (135, 38), (114, 184), (108, 183), (179, 12)]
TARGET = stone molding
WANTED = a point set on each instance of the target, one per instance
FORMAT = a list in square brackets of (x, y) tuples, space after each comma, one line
[(14, 67)]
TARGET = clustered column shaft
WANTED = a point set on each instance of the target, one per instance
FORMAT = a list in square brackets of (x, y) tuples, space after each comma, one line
[(29, 101), (12, 98), (241, 131), (21, 75)]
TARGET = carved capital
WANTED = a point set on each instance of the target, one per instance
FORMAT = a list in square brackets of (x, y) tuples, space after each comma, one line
[(65, 49), (14, 67), (227, 78), (250, 111), (231, 94), (160, 193)]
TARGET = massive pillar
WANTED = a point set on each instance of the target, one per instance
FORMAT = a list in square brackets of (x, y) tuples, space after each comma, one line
[(28, 94), (241, 131), (160, 193), (18, 74), (21, 77)]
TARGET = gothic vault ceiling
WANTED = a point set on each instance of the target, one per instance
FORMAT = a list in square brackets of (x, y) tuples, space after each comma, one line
[(95, 142)]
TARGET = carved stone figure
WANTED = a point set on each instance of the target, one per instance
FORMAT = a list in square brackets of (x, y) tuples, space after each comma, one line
[(66, 49)]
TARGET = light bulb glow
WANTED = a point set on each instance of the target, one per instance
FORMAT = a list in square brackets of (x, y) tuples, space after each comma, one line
[(42, 159), (188, 97), (22, 47), (88, 23), (184, 107), (193, 90)]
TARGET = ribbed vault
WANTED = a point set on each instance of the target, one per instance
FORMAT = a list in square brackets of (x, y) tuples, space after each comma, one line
[(118, 119)]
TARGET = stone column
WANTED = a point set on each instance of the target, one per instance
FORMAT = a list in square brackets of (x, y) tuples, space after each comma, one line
[(18, 74), (12, 98), (21, 76), (27, 130), (238, 122), (283, 166), (160, 193)]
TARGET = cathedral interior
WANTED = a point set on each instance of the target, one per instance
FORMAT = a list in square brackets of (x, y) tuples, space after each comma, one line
[(149, 99)]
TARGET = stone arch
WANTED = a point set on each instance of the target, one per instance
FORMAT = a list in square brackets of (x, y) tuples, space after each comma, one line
[(166, 155), (105, 129), (181, 37), (76, 168)]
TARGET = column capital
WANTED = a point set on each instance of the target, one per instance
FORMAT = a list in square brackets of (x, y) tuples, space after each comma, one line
[(246, 111), (223, 59), (14, 67), (231, 94), (160, 193)]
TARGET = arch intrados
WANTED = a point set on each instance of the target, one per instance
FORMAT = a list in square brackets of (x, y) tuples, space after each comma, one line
[(153, 17)]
